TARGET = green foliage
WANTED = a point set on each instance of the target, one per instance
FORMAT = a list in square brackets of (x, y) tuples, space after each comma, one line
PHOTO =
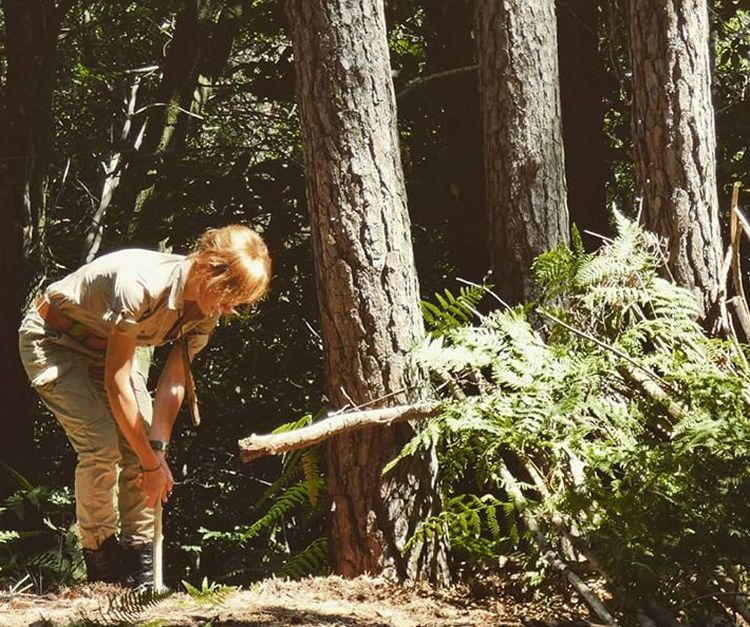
[(294, 497), (619, 419), (37, 543), (313, 560), (452, 311), (210, 593), (479, 526)]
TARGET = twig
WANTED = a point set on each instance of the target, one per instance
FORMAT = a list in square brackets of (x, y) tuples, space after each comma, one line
[(737, 224), (587, 594), (604, 345), (711, 595), (418, 82), (486, 289)]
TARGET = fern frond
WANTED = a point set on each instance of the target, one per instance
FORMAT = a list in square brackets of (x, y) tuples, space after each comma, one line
[(126, 608), (311, 561), (310, 462), (293, 496), (452, 311), (210, 593), (7, 537)]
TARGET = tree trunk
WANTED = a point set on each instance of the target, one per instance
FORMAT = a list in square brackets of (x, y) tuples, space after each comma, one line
[(582, 91), (366, 280), (675, 143), (454, 109), (31, 30), (523, 150)]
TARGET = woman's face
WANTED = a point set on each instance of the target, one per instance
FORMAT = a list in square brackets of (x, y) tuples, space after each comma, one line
[(210, 303)]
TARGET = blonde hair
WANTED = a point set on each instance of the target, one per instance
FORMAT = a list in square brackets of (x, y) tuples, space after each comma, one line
[(233, 261)]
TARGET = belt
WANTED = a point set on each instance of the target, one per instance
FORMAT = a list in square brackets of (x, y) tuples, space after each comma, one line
[(63, 323)]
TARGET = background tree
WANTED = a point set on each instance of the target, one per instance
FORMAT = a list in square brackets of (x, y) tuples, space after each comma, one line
[(674, 137), (584, 84), (524, 162), (439, 112), (367, 284), (26, 128)]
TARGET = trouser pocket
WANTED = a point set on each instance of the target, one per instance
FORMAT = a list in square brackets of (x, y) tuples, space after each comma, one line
[(45, 362)]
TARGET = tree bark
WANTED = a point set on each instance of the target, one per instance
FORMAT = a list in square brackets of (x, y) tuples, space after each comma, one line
[(31, 30), (366, 282), (583, 81), (675, 143), (523, 150)]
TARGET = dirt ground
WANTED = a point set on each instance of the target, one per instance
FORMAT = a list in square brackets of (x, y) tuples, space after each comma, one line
[(315, 602)]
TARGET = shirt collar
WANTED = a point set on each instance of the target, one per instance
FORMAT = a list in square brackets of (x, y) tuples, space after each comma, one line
[(178, 280)]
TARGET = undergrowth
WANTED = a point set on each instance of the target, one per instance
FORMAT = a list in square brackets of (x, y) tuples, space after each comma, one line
[(613, 433)]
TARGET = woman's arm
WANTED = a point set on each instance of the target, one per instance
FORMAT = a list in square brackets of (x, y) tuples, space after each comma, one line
[(118, 367), (170, 391)]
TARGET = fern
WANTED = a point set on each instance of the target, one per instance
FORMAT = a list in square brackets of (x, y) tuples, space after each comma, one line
[(210, 593), (452, 311), (622, 421), (292, 497), (7, 537), (311, 561), (472, 525), (124, 610)]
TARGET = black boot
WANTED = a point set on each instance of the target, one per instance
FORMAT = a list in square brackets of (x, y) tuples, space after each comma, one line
[(105, 563), (138, 565)]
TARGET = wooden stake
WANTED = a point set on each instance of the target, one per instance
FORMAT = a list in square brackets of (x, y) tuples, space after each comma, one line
[(157, 548)]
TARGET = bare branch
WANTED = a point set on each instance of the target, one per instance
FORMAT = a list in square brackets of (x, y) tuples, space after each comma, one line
[(419, 82), (257, 446)]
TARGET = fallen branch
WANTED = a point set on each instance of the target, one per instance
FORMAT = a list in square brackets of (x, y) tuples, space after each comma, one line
[(257, 446), (548, 553)]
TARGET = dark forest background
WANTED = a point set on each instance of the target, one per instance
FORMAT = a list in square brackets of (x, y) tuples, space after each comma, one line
[(215, 82)]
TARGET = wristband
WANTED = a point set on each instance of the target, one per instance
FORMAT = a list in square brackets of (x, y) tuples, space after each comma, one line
[(150, 469), (159, 445)]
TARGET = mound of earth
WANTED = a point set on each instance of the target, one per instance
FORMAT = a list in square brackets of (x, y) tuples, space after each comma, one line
[(314, 602)]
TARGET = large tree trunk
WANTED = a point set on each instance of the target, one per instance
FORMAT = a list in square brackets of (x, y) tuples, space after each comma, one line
[(524, 161), (674, 137), (583, 81), (31, 30), (366, 280)]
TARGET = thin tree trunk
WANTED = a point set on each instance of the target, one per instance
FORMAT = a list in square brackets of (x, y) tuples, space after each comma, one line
[(673, 127), (454, 109), (366, 280), (197, 54), (582, 90), (524, 162), (112, 174)]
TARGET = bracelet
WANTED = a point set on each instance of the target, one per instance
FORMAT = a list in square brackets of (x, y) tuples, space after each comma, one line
[(150, 469)]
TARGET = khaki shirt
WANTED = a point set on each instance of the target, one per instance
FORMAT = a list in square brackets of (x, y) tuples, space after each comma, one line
[(136, 292)]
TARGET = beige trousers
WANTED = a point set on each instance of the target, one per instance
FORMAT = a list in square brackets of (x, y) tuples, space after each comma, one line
[(70, 380)]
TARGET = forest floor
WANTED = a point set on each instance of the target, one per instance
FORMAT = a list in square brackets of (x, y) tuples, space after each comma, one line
[(314, 602)]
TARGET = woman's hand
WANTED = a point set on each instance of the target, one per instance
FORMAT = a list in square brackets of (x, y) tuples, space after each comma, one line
[(162, 457), (156, 483)]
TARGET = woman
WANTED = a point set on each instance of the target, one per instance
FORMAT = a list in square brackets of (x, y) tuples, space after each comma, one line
[(78, 347)]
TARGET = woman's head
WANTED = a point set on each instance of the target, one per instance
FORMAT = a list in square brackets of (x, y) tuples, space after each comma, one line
[(231, 266)]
